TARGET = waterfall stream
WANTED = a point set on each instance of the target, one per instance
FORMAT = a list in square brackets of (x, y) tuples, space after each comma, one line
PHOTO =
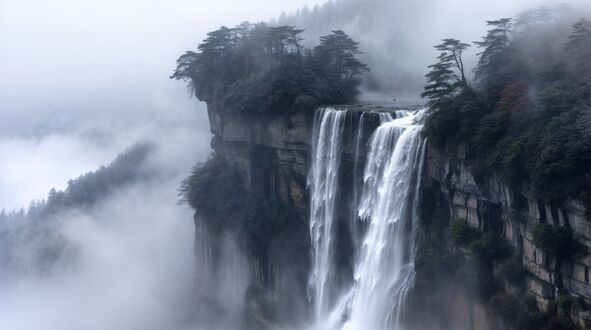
[(323, 182), (386, 206)]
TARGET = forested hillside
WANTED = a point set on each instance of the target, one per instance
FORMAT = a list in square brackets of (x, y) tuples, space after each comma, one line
[(35, 230), (526, 115)]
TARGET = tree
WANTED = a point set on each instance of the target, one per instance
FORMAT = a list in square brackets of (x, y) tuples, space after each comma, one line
[(581, 35), (579, 44), (530, 18), (284, 37), (451, 52), (206, 65), (258, 68), (337, 53), (494, 44), (447, 75)]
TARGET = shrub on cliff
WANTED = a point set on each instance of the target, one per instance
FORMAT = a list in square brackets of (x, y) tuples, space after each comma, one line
[(258, 68), (463, 234), (212, 188), (557, 240), (215, 190)]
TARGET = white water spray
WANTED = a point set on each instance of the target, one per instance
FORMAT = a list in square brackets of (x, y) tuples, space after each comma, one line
[(323, 184), (384, 270)]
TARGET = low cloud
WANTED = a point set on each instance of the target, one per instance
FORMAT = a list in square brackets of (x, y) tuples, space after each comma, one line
[(132, 267)]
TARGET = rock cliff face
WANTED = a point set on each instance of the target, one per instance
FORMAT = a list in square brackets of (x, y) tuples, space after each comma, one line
[(484, 202), (272, 153)]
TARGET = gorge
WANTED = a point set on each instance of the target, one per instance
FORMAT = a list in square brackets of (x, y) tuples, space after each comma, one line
[(383, 210), (348, 167), (468, 213)]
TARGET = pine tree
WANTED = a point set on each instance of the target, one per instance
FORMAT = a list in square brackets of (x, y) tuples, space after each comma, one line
[(493, 44), (446, 76), (579, 44), (283, 38), (337, 53)]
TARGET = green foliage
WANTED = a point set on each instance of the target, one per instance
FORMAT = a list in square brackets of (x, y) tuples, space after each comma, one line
[(579, 42), (494, 45), (529, 117), (447, 76), (257, 68), (487, 247), (215, 189), (531, 317), (336, 54), (490, 247), (37, 231), (88, 189), (524, 314), (463, 234), (453, 119), (557, 240)]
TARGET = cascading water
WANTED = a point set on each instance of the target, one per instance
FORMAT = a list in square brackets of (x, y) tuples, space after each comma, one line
[(385, 117), (323, 184), (384, 272), (387, 205)]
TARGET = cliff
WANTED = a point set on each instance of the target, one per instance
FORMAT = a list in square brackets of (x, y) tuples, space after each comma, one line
[(484, 202), (272, 153)]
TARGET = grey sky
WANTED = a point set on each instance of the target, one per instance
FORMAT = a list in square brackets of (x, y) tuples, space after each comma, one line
[(82, 79)]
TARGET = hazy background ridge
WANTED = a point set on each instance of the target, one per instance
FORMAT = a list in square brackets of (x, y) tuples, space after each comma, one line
[(397, 37)]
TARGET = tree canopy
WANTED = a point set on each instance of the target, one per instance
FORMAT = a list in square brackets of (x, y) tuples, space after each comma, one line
[(527, 116), (446, 76), (259, 68), (493, 44)]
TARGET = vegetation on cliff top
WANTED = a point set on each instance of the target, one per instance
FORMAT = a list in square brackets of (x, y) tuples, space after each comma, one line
[(527, 114), (258, 68), (216, 191)]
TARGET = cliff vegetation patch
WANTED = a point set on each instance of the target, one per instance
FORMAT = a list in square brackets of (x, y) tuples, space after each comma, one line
[(527, 113), (259, 68)]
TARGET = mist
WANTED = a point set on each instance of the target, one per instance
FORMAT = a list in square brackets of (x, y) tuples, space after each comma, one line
[(92, 74), (398, 37), (82, 81), (123, 275)]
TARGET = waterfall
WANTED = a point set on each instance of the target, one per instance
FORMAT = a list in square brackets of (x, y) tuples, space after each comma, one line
[(387, 206), (385, 117), (323, 184), (384, 273)]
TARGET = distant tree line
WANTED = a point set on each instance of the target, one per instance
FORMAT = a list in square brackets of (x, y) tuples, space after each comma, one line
[(31, 241), (258, 68), (527, 113), (89, 188)]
